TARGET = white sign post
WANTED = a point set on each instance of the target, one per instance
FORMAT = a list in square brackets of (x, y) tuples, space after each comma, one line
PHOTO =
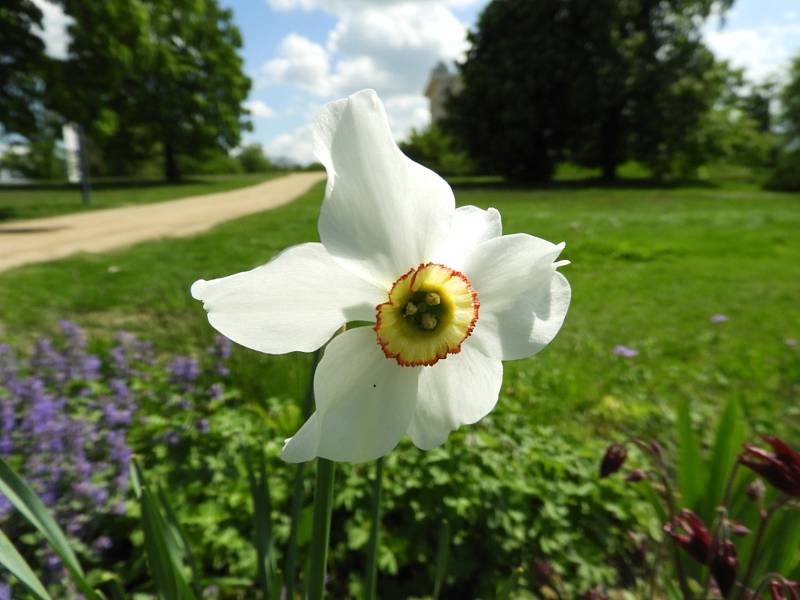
[(77, 162)]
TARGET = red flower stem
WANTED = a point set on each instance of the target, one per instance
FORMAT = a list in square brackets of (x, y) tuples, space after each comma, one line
[(762, 528), (669, 498)]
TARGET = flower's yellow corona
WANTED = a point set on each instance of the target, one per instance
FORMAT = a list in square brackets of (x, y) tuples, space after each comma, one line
[(431, 310), (450, 297)]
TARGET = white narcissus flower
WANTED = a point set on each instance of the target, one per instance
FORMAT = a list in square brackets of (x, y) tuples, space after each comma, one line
[(450, 296)]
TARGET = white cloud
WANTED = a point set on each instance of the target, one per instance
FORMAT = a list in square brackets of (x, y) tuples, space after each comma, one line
[(296, 146), (388, 45), (762, 51), (300, 62), (259, 109), (54, 29)]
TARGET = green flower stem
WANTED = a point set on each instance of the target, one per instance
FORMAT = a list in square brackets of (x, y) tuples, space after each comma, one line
[(370, 577), (297, 492), (321, 532)]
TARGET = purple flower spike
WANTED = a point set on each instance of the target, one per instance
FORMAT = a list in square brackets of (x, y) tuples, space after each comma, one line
[(627, 352), (718, 318)]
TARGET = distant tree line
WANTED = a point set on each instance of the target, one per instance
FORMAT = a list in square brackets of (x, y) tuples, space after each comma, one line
[(143, 78), (599, 83)]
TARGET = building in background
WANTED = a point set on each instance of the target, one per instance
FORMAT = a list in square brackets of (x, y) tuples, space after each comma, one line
[(441, 85)]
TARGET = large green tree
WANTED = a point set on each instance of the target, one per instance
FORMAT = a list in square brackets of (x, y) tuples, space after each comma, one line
[(22, 66), (154, 76), (596, 81)]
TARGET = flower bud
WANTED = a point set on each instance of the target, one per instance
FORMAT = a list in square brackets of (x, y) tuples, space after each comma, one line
[(691, 534), (613, 460), (755, 490), (724, 565), (739, 529), (635, 476), (781, 467)]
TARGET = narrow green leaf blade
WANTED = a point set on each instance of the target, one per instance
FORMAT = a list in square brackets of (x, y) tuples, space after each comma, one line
[(25, 500), (730, 436), (691, 473), (16, 565), (442, 556)]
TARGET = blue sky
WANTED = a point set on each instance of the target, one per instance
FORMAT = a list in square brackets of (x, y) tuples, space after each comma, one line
[(303, 53)]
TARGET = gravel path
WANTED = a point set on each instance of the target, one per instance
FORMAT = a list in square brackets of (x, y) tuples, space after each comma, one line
[(36, 240)]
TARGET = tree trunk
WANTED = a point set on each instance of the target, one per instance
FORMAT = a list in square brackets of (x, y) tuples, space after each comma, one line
[(610, 169), (171, 172)]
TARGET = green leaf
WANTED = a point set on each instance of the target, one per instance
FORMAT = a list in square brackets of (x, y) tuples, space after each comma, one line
[(162, 551), (783, 540), (691, 474), (25, 500), (730, 436), (16, 565), (442, 555), (262, 522)]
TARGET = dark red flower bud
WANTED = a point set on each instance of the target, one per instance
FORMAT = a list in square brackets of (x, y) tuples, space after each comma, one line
[(636, 475), (613, 460), (691, 534), (781, 467), (724, 565)]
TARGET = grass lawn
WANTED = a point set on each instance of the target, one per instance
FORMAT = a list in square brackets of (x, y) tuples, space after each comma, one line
[(650, 267), (44, 200)]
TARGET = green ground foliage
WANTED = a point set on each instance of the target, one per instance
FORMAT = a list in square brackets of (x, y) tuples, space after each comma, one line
[(47, 199), (651, 266)]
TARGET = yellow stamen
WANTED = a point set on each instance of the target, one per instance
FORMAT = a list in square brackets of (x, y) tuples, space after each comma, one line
[(432, 299), (411, 309), (428, 321)]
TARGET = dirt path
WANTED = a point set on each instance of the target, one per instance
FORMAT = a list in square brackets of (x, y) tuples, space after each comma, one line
[(36, 240)]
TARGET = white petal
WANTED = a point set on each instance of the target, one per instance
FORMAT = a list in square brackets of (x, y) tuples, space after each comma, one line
[(523, 299), (459, 390), (364, 403), (383, 213), (471, 226), (295, 302)]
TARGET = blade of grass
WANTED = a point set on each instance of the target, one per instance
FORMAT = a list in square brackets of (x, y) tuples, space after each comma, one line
[(25, 500), (16, 565)]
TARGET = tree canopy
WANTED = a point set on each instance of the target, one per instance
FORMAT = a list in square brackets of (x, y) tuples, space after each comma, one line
[(596, 81), (22, 66)]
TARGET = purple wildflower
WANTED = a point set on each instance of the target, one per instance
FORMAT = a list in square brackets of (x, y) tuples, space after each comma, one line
[(5, 591), (627, 352), (184, 369), (102, 543), (791, 342), (718, 318), (202, 425), (216, 390)]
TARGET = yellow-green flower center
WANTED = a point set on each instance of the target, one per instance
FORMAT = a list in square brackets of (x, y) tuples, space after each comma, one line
[(431, 310)]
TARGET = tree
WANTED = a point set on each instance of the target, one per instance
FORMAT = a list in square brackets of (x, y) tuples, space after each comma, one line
[(438, 151), (253, 160), (597, 81), (22, 66), (786, 175), (155, 76)]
